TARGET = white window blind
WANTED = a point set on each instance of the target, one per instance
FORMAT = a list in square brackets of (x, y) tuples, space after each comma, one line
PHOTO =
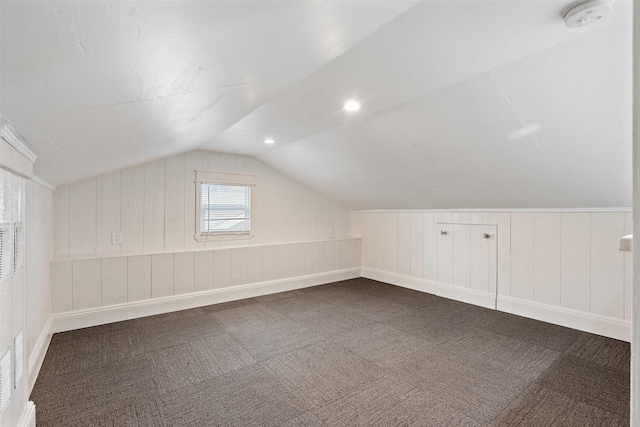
[(18, 243), (225, 208), (5, 251)]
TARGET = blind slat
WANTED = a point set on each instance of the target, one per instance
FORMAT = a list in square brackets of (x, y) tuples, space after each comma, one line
[(225, 208)]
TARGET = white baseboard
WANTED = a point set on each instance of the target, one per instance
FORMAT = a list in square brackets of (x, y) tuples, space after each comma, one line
[(444, 290), (587, 322), (470, 296), (39, 351), (115, 313), (582, 321), (28, 417), (415, 283)]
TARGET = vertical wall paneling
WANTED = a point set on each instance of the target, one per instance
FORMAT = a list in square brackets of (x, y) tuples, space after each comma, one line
[(381, 241), (445, 252), (483, 218), (355, 224), (503, 222), (161, 275), (355, 251), (628, 268), (154, 205), (392, 241), (547, 241), (183, 273), (493, 258), (480, 257), (114, 280), (132, 210), (82, 217), (174, 202), (283, 259), (321, 257), (575, 275), (341, 255), (203, 270), (297, 260), (462, 217), (254, 261), (243, 164), (416, 245), (39, 247), (212, 161), (87, 286), (522, 255), (445, 217), (61, 220), (222, 268), (404, 243), (607, 264), (369, 251), (461, 256), (109, 211), (563, 259), (193, 161), (61, 287), (332, 250), (239, 266), (139, 278), (430, 246), (227, 162), (309, 258), (157, 208)]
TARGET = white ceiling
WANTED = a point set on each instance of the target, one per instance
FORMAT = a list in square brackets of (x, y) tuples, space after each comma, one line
[(97, 86)]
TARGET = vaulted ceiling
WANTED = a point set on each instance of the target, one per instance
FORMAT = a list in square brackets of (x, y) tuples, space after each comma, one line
[(465, 104)]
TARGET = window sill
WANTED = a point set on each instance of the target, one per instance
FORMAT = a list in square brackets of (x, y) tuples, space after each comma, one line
[(222, 237)]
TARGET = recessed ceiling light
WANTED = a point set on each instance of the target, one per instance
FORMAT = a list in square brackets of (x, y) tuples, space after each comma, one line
[(269, 141), (352, 105)]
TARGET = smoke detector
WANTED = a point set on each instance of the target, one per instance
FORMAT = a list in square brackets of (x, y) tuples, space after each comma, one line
[(586, 13)]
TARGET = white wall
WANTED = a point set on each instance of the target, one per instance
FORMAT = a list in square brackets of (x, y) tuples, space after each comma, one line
[(635, 340), (298, 236), (565, 263), (12, 298), (154, 206), (91, 291), (38, 254)]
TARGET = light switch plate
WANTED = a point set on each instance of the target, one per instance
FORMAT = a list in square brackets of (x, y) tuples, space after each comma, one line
[(116, 238)]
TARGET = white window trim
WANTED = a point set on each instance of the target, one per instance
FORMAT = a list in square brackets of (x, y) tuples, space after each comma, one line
[(210, 177)]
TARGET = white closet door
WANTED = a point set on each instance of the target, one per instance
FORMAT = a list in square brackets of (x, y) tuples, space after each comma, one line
[(445, 252), (482, 253), (467, 259)]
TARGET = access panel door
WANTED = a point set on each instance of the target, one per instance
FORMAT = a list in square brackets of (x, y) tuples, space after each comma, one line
[(467, 256)]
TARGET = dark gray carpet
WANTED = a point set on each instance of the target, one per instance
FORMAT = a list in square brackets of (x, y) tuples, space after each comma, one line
[(353, 353)]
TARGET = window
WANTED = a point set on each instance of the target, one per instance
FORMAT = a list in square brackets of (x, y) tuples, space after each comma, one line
[(223, 205)]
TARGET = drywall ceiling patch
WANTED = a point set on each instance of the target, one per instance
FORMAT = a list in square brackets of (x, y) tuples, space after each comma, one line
[(586, 13)]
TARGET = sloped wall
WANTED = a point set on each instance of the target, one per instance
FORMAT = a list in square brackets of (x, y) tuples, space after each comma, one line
[(154, 206), (560, 267)]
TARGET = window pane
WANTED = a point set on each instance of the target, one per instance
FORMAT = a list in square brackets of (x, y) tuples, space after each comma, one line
[(225, 208)]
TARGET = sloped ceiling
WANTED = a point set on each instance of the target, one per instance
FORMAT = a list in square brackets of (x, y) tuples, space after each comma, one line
[(465, 104)]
